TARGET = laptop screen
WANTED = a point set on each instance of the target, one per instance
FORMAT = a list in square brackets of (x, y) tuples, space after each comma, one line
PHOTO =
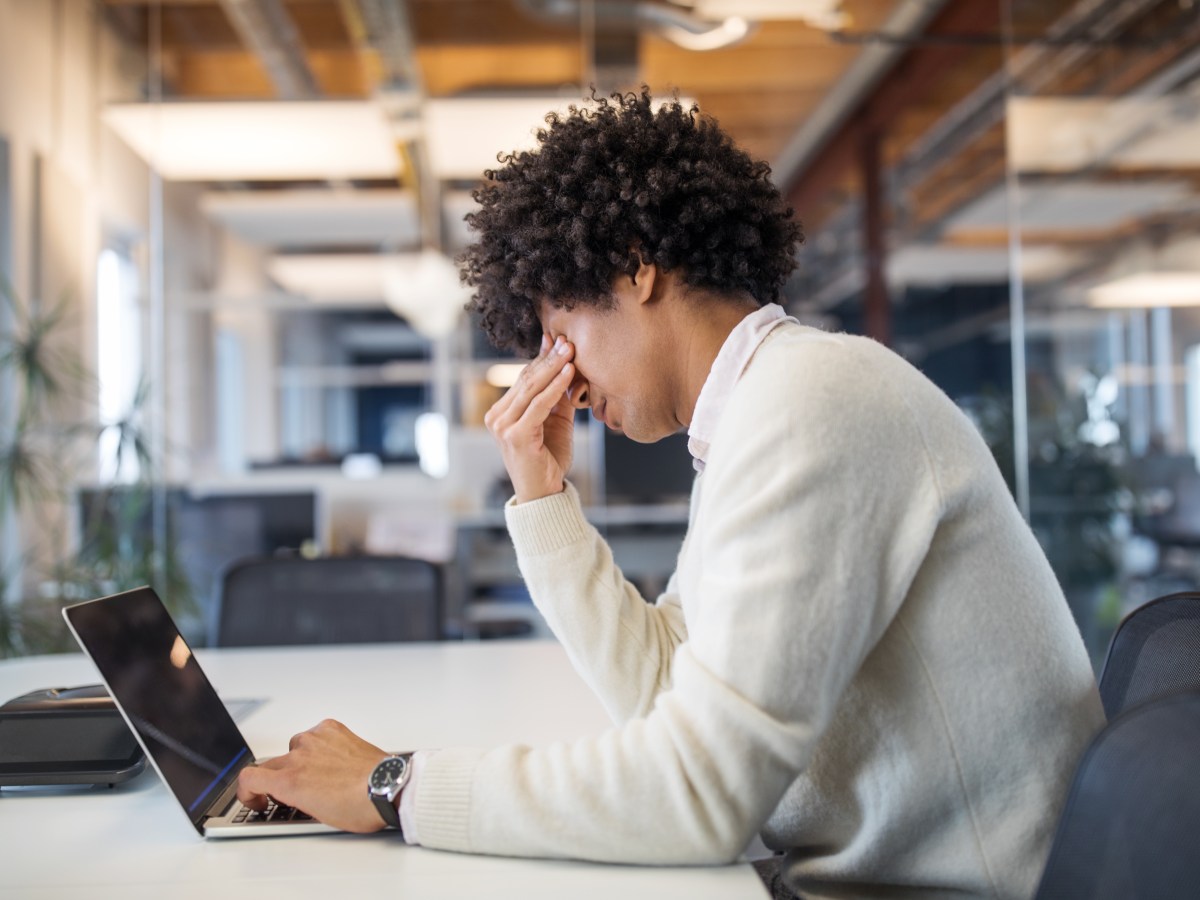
[(165, 696)]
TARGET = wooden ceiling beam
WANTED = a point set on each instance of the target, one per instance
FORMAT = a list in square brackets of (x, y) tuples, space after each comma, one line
[(743, 68), (449, 69), (220, 74), (446, 70)]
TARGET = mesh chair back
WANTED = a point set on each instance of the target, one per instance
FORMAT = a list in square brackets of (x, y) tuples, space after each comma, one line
[(1155, 651), (1132, 818), (337, 600)]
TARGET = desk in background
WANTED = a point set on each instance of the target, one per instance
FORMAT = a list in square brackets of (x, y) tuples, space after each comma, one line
[(133, 842), (645, 542)]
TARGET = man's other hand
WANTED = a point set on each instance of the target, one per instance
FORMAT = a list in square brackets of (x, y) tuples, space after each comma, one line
[(534, 423), (324, 773)]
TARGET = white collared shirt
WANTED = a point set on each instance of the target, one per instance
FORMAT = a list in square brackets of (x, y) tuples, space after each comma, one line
[(727, 368)]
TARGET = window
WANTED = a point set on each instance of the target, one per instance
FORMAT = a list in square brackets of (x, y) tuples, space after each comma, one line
[(118, 364)]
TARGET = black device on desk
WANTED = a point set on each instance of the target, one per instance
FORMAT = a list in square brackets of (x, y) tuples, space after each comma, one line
[(66, 736)]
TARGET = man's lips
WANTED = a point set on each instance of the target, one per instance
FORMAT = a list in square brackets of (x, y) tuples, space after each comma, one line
[(598, 412)]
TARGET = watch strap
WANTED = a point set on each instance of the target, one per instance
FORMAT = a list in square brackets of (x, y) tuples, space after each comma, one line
[(387, 811)]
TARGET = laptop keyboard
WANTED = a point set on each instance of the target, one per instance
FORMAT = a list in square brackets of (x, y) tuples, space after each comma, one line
[(275, 812)]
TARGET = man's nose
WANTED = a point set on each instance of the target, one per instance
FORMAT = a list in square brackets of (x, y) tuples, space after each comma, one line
[(577, 392)]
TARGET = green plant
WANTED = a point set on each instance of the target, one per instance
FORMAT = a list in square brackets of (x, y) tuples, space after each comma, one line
[(42, 448)]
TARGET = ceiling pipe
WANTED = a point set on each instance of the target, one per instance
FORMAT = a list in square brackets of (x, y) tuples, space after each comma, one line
[(389, 32), (909, 19), (267, 29), (427, 294)]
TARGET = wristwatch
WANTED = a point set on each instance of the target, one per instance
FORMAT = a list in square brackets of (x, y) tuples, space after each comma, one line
[(384, 786)]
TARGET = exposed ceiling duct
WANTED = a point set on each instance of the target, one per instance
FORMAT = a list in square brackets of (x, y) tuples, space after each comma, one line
[(266, 28), (910, 18)]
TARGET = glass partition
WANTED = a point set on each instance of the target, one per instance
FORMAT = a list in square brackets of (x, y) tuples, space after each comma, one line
[(8, 538), (1103, 145)]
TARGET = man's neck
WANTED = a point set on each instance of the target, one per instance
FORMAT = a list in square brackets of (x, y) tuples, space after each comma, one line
[(708, 321)]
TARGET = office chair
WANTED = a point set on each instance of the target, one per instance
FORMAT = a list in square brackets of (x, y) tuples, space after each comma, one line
[(331, 600), (1155, 650), (1128, 831)]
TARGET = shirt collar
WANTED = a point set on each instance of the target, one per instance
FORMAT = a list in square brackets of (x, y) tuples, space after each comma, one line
[(727, 368)]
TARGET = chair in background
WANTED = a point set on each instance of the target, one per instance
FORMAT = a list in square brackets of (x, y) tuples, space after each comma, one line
[(1155, 651), (1129, 827), (330, 600)]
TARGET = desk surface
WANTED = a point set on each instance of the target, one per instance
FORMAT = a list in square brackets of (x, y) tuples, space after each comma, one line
[(132, 841)]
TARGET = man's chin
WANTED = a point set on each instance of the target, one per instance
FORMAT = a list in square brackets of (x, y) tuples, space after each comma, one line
[(641, 437)]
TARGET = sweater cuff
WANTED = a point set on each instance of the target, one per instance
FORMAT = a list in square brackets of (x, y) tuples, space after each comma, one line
[(408, 822), (546, 524), (442, 801)]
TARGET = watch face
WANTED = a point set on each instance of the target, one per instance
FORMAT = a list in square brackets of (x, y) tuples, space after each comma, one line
[(388, 773)]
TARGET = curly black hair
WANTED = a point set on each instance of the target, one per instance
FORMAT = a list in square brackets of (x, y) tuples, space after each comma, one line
[(613, 184)]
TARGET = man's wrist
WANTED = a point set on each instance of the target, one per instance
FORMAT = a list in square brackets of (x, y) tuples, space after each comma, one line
[(531, 497)]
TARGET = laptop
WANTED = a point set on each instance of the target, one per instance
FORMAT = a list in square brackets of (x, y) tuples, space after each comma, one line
[(177, 717)]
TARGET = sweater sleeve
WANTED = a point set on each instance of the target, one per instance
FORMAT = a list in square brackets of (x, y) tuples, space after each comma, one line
[(599, 617), (817, 510)]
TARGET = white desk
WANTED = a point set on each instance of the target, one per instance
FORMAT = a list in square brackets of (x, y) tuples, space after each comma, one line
[(133, 842)]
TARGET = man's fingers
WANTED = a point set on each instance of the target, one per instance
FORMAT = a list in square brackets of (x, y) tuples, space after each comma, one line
[(541, 406), (535, 376), (254, 783), (533, 381), (535, 373)]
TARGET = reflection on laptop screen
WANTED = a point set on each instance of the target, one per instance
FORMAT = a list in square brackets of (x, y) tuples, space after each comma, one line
[(151, 673)]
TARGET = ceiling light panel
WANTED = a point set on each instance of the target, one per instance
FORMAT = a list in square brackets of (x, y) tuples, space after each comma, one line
[(423, 287), (327, 140), (317, 218), (1075, 206), (259, 141), (1148, 290), (935, 265), (300, 219), (349, 279), (1069, 134)]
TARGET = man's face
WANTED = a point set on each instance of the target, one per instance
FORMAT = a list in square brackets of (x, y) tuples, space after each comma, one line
[(623, 366)]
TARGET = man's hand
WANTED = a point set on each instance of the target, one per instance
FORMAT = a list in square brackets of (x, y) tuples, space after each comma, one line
[(324, 774), (534, 421)]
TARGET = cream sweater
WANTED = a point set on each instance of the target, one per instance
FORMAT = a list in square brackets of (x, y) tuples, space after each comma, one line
[(863, 655)]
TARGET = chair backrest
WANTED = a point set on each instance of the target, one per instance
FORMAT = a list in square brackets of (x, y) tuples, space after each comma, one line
[(331, 600), (1155, 651), (1132, 817)]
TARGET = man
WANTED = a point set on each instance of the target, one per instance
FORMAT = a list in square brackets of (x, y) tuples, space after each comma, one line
[(863, 655)]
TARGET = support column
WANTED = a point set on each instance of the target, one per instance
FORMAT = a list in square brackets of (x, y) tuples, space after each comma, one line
[(877, 312)]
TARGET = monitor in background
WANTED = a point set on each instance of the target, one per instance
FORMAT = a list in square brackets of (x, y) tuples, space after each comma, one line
[(206, 531), (276, 521), (635, 473)]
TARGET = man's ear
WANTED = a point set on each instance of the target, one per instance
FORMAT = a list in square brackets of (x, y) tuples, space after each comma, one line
[(644, 280)]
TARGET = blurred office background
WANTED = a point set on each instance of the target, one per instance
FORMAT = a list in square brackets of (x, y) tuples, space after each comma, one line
[(232, 325)]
